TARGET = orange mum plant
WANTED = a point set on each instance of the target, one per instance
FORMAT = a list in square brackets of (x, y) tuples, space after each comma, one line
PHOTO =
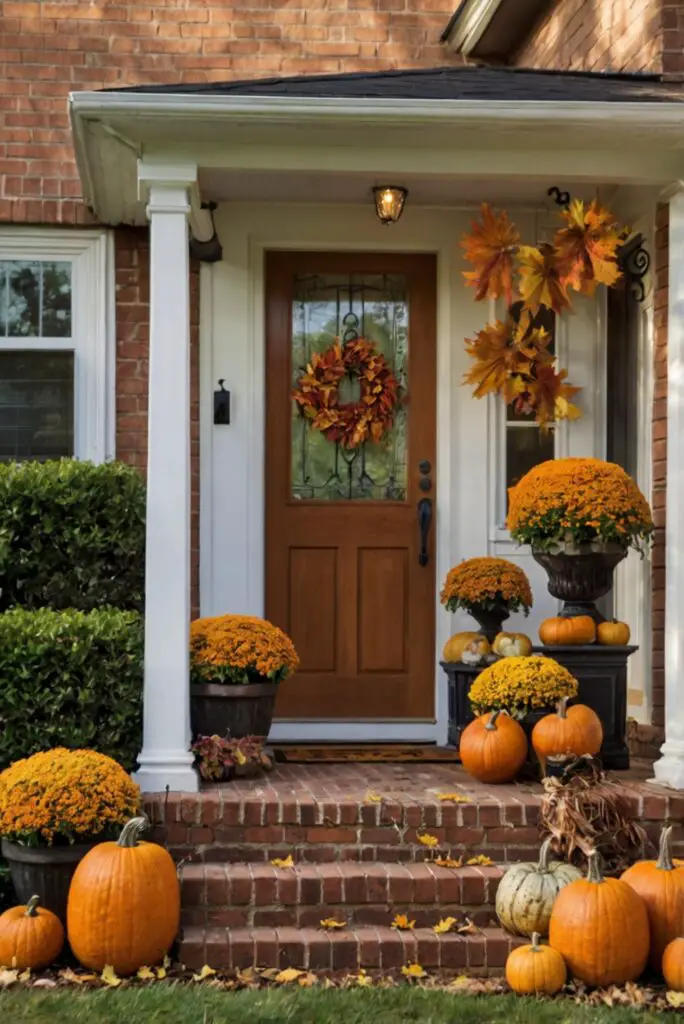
[(487, 583), (240, 649), (65, 796), (578, 501), (511, 356)]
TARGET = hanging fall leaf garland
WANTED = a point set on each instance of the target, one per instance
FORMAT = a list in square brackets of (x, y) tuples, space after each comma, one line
[(349, 423), (511, 356)]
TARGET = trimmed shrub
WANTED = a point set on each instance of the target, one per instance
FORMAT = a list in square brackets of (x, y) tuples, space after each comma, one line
[(72, 535), (71, 679)]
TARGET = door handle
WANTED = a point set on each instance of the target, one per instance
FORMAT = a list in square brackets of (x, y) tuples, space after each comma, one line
[(424, 521)]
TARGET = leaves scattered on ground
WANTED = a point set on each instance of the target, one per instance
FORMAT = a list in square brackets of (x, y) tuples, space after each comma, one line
[(454, 798), (413, 971), (427, 840), (401, 923), (331, 924), (283, 862), (481, 860), (445, 925), (449, 862)]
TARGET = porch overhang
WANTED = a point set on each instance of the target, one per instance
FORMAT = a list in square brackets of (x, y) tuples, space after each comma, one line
[(372, 138)]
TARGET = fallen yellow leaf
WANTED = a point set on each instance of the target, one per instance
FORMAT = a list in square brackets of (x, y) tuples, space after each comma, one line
[(468, 928), (307, 980), (427, 840), (445, 925), (160, 972), (373, 798), (448, 862), (166, 962), (331, 924), (363, 980), (7, 978), (413, 971), (462, 981), (76, 979), (402, 923), (454, 798), (25, 975), (482, 860), (283, 862), (110, 977), (145, 974), (206, 972), (287, 976), (675, 999)]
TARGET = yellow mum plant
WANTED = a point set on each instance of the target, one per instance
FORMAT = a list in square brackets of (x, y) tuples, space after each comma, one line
[(578, 501), (65, 796), (240, 649), (487, 583), (518, 685)]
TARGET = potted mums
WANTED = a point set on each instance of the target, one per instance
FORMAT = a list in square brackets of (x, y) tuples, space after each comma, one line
[(54, 807), (580, 517), (237, 664), (490, 589)]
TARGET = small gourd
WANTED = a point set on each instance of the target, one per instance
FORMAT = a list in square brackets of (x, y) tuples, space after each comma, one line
[(559, 631), (661, 886), (535, 969), (30, 936), (600, 928), (673, 965), (493, 748), (453, 648), (124, 903), (576, 730), (512, 645), (527, 892), (613, 633), (475, 651)]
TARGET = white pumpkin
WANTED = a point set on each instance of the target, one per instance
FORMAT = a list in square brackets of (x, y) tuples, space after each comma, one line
[(476, 651), (512, 645), (527, 892)]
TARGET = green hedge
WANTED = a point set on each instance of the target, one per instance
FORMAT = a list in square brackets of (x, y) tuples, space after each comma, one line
[(72, 535), (72, 679)]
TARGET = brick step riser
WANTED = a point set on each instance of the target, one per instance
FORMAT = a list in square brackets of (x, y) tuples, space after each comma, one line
[(368, 948), (311, 917)]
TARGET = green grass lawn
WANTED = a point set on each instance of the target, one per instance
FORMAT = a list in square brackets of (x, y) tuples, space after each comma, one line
[(164, 1004)]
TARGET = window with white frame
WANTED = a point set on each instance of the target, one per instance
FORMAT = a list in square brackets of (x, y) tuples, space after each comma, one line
[(56, 365)]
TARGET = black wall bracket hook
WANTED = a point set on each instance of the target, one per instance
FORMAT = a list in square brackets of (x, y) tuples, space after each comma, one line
[(221, 405)]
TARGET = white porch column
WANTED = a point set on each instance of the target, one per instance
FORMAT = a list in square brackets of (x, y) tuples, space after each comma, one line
[(670, 767), (165, 759)]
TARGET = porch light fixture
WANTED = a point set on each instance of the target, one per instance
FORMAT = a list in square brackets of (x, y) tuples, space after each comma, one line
[(389, 202)]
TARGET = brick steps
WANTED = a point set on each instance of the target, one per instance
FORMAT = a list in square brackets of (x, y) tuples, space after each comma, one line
[(348, 950), (259, 895)]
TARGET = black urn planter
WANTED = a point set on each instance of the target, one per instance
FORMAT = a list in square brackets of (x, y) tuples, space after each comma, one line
[(489, 620), (580, 577), (232, 709), (45, 872)]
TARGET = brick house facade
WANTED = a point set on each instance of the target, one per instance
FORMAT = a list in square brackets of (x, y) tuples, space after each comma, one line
[(48, 50)]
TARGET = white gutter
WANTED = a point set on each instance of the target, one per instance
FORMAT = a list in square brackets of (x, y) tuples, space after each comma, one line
[(94, 106)]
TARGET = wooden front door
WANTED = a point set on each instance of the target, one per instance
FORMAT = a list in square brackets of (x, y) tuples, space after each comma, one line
[(350, 568)]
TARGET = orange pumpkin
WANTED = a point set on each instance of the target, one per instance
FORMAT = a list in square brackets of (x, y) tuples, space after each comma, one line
[(453, 648), (124, 903), (30, 936), (576, 730), (661, 886), (613, 633), (493, 748), (600, 927), (511, 645), (673, 965), (559, 631), (533, 969)]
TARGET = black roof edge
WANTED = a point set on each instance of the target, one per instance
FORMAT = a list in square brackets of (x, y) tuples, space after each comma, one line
[(255, 83)]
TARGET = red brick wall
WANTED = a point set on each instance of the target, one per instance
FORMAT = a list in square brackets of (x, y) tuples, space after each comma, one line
[(599, 35), (50, 48), (659, 457)]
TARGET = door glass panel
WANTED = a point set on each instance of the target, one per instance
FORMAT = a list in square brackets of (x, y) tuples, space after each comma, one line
[(36, 405), (326, 308)]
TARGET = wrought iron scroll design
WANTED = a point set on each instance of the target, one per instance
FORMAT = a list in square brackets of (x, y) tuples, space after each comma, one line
[(633, 258)]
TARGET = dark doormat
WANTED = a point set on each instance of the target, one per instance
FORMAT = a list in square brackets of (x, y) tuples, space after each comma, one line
[(339, 753)]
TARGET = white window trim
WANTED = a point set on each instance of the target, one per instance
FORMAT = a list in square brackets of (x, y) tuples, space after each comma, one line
[(91, 254)]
